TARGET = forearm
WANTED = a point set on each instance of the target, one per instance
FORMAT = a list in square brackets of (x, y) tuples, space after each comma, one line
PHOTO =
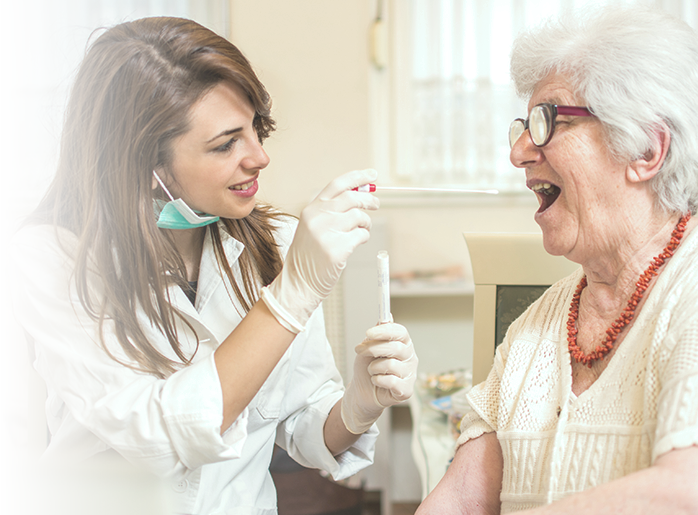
[(246, 358), (669, 487), (472, 483), (337, 437)]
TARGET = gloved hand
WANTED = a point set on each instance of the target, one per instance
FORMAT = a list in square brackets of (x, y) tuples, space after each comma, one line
[(385, 370), (329, 230)]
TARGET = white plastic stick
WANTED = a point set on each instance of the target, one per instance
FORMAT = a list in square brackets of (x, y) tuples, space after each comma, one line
[(370, 188), (442, 190), (384, 315)]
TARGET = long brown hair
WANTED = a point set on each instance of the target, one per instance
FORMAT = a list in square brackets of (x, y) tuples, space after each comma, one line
[(131, 98)]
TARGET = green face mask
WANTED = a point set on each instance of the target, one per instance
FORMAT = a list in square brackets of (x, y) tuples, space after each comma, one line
[(176, 214)]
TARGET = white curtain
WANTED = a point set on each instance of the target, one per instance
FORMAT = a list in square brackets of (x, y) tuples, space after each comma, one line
[(454, 101), (43, 43)]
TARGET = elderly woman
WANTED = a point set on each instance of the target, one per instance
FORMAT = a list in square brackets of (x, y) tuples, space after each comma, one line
[(592, 403)]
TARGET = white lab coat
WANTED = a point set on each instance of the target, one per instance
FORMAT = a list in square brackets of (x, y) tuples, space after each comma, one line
[(171, 426)]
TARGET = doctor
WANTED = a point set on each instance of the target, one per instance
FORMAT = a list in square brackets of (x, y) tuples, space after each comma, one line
[(173, 318)]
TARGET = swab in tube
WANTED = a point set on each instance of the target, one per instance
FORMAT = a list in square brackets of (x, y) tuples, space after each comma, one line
[(384, 315)]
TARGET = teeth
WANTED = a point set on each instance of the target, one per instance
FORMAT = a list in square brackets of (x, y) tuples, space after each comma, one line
[(242, 186), (546, 188)]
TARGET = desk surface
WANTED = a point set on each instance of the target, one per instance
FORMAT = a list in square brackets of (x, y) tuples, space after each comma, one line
[(432, 442)]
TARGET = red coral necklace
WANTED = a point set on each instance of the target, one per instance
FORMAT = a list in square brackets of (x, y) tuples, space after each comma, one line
[(629, 312)]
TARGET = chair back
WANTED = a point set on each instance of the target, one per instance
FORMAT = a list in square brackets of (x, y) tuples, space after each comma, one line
[(510, 271)]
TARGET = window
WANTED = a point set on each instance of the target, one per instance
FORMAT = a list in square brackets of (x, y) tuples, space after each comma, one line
[(448, 90)]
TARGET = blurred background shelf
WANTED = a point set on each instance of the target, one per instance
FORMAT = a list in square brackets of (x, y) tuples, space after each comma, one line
[(400, 288)]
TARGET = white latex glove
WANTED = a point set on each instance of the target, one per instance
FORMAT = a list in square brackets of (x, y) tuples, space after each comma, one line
[(329, 230), (385, 370)]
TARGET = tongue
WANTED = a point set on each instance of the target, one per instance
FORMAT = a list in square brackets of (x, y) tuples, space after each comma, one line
[(547, 199)]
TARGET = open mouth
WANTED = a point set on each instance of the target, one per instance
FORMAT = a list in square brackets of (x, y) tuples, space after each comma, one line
[(547, 194)]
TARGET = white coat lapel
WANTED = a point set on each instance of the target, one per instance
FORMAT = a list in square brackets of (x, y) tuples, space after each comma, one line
[(211, 275), (209, 282)]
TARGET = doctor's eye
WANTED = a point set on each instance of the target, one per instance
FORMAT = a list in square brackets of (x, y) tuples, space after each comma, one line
[(226, 146)]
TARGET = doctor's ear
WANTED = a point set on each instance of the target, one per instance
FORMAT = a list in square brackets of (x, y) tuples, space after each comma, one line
[(647, 166)]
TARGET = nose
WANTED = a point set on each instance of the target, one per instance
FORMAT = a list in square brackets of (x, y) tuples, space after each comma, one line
[(256, 158), (525, 153)]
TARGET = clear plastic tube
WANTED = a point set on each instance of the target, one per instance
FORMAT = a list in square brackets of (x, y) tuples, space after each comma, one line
[(384, 315)]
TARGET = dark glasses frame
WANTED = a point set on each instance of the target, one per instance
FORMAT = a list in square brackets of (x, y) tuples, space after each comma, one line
[(549, 112)]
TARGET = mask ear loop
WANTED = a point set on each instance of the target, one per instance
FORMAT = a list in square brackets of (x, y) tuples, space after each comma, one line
[(162, 185), (190, 216)]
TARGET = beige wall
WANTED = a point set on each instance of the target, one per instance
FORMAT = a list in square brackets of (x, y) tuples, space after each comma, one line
[(313, 56), (428, 236)]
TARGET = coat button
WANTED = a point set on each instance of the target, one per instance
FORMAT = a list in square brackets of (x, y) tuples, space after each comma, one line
[(181, 486)]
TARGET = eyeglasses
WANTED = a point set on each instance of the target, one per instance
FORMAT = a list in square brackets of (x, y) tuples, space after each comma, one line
[(541, 122)]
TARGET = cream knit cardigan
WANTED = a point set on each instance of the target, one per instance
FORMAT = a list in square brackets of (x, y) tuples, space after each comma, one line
[(644, 404)]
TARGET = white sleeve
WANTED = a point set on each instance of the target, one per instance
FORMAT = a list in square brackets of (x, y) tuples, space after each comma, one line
[(677, 405), (484, 399), (169, 425), (315, 386)]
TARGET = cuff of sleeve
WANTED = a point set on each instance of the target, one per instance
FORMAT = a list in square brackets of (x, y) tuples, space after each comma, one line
[(192, 403), (679, 440), (357, 457), (472, 426), (283, 316), (310, 430), (677, 419)]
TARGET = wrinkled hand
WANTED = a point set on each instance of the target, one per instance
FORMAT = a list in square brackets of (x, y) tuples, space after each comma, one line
[(385, 370), (329, 230)]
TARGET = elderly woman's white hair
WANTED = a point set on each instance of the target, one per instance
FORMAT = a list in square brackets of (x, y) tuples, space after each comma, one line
[(635, 67)]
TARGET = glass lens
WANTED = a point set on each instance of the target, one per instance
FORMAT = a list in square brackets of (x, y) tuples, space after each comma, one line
[(516, 129), (539, 124)]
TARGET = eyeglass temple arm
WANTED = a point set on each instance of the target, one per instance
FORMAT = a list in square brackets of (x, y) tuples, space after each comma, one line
[(574, 111)]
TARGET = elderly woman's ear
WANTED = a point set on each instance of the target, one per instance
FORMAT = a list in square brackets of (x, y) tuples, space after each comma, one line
[(646, 167)]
